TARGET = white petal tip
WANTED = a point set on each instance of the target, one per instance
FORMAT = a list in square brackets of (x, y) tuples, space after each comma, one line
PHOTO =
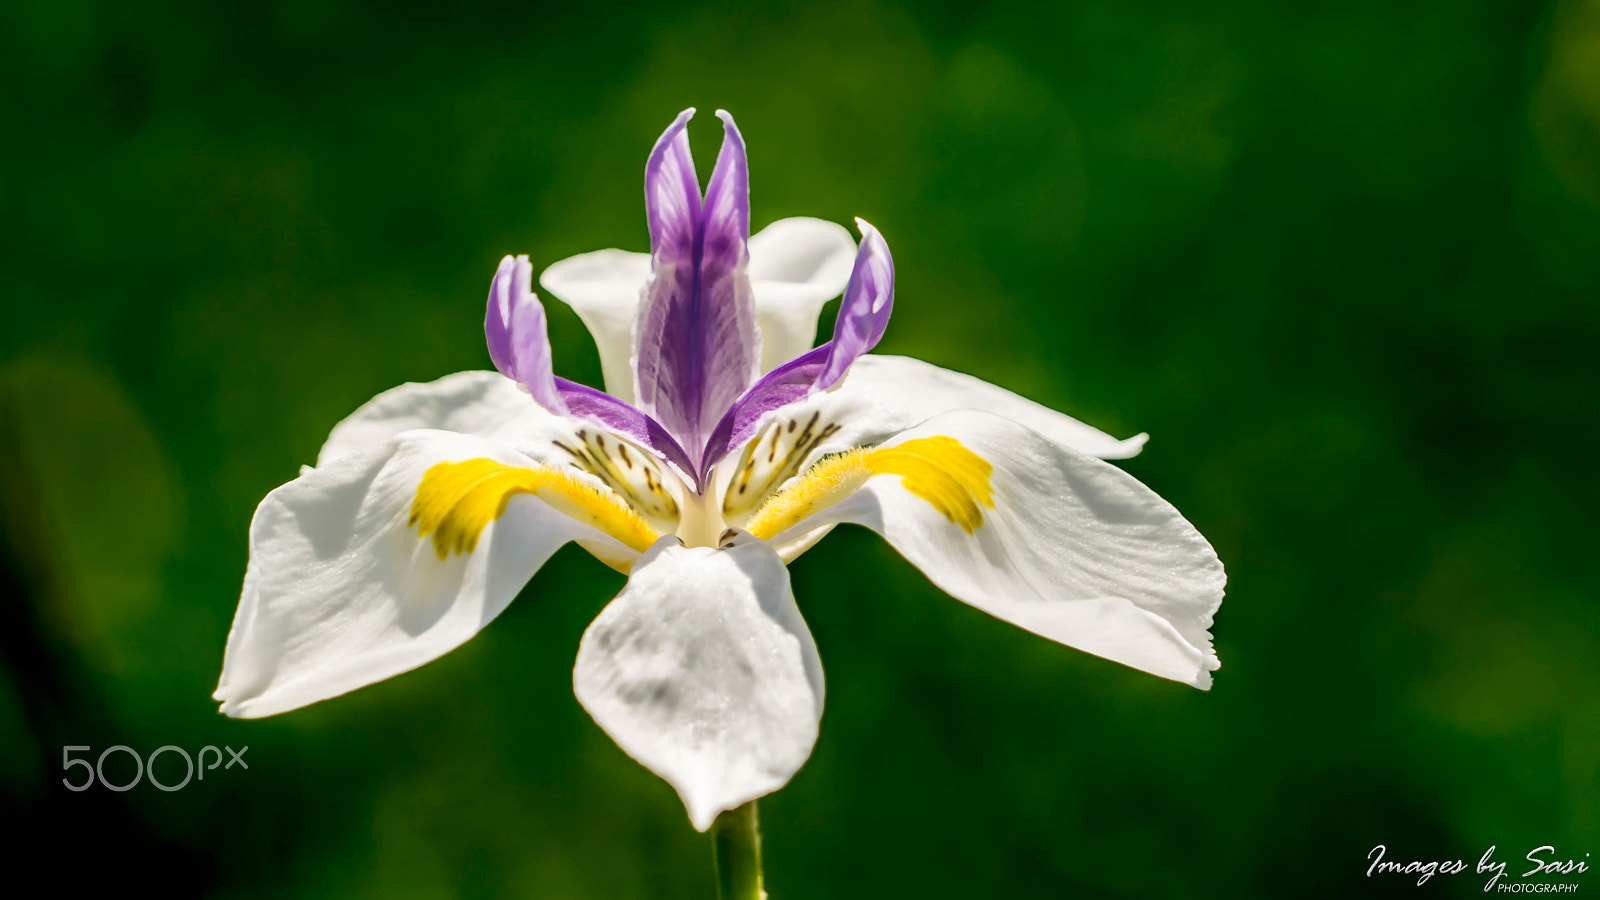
[(703, 671), (702, 817), (1209, 663), (1127, 449)]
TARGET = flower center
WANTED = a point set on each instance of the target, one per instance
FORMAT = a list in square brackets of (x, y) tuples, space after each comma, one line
[(772, 457), (702, 524), (630, 471)]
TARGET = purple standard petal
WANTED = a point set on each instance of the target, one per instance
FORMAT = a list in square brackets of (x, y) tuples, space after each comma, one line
[(673, 211), (697, 347), (730, 341), (863, 316), (515, 327)]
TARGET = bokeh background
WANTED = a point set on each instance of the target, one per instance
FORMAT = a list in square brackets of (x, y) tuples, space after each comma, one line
[(1338, 259)]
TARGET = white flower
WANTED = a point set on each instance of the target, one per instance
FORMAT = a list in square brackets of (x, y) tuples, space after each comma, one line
[(725, 447)]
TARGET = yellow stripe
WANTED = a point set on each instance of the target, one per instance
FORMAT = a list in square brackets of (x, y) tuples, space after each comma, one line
[(940, 470), (953, 479), (823, 485), (456, 500)]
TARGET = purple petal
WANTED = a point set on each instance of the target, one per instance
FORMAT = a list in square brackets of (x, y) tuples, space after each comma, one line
[(673, 210), (730, 354), (864, 311), (793, 381), (697, 343), (585, 402), (515, 328), (863, 316)]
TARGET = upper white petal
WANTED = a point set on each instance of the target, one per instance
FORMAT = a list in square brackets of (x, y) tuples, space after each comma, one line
[(604, 288), (466, 402), (484, 404), (340, 590), (704, 672), (884, 395), (1074, 549), (796, 266)]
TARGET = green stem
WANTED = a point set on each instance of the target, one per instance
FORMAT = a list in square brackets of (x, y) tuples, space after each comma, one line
[(736, 852)]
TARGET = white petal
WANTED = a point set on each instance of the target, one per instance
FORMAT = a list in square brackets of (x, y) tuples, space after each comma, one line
[(466, 402), (704, 672), (604, 288), (483, 404), (341, 591), (1074, 549), (796, 266), (883, 395)]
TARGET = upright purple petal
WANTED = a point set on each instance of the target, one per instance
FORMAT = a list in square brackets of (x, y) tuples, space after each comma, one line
[(697, 347), (863, 316), (729, 352), (519, 342), (667, 314)]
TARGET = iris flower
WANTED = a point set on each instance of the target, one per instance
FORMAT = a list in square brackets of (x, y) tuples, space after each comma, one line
[(724, 446)]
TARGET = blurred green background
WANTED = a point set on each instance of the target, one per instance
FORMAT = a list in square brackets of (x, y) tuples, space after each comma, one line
[(1338, 259)]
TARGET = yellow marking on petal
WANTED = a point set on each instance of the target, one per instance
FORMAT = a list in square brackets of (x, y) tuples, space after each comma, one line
[(940, 470), (953, 479), (456, 500), (832, 479)]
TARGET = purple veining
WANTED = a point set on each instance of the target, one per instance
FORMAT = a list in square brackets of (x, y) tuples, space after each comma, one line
[(728, 351), (673, 211)]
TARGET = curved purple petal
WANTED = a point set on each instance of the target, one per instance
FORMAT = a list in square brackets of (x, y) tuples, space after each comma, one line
[(515, 328), (863, 316), (864, 311), (793, 381), (621, 417), (697, 347)]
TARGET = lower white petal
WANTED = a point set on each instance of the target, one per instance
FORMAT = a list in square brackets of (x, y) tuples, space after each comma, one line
[(1071, 548), (883, 395), (796, 266), (342, 590), (604, 288), (466, 402), (704, 672), (880, 397)]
